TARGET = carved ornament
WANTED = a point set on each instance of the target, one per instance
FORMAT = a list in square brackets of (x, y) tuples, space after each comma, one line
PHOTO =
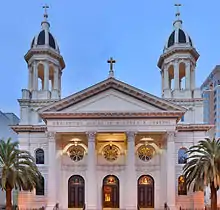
[(91, 136), (131, 135), (50, 135)]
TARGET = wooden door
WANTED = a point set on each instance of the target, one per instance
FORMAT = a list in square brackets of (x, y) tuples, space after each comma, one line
[(76, 192), (146, 192), (110, 192)]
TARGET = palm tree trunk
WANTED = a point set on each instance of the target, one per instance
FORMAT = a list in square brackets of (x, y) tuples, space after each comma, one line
[(213, 197), (8, 198)]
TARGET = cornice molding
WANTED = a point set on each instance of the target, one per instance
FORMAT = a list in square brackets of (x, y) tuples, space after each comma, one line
[(36, 102), (45, 51), (29, 128), (185, 100), (175, 50), (112, 115), (193, 127)]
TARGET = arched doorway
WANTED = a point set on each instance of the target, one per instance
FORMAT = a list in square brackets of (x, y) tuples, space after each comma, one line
[(146, 192), (110, 192), (76, 192)]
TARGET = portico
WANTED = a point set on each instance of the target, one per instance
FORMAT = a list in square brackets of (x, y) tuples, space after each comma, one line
[(114, 151)]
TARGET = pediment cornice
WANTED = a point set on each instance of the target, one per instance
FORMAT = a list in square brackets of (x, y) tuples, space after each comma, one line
[(112, 115), (112, 83)]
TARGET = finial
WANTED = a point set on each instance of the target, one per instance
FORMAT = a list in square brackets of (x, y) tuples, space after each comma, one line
[(178, 10), (177, 23), (45, 24), (111, 61), (45, 7)]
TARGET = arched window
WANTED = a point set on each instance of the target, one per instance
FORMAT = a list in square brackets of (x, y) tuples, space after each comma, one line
[(40, 187), (39, 156), (182, 156), (182, 189)]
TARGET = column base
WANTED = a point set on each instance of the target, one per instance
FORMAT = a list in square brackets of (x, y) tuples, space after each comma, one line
[(50, 207), (172, 207), (131, 208), (91, 208)]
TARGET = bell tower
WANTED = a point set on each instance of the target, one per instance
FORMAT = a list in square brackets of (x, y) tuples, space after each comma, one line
[(178, 63), (45, 65)]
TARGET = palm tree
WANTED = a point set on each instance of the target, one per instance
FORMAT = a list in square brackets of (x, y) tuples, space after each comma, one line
[(203, 168), (17, 169)]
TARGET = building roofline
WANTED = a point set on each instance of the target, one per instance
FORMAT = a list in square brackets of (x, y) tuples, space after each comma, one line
[(208, 79)]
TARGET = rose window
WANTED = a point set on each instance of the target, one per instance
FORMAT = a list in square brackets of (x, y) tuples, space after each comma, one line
[(146, 152), (76, 153), (111, 152)]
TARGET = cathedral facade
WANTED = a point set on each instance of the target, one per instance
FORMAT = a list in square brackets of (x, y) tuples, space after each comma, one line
[(111, 146)]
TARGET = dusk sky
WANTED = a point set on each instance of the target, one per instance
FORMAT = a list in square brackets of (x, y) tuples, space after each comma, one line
[(90, 31)]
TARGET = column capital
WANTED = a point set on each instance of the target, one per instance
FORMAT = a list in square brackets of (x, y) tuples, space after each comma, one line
[(171, 135), (187, 63), (131, 134), (176, 61), (50, 135), (91, 135)]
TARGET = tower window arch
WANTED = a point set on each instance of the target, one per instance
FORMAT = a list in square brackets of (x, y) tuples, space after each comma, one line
[(182, 156), (39, 156), (182, 188), (171, 77), (40, 187), (51, 77), (182, 75), (40, 73)]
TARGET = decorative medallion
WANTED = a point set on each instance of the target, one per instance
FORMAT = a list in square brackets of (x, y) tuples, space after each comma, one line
[(111, 152), (76, 153), (146, 152)]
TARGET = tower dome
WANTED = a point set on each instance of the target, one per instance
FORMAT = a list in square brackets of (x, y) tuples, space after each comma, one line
[(178, 37), (177, 64), (45, 38)]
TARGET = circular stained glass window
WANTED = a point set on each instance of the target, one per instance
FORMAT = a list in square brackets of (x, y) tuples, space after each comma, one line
[(146, 152), (111, 152), (76, 153)]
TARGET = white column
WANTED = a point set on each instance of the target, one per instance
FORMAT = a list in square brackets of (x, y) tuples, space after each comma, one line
[(162, 81), (171, 172), (193, 79), (166, 78), (176, 76), (46, 76), (52, 164), (56, 81), (131, 178), (60, 77), (188, 78), (30, 76), (35, 76), (91, 174)]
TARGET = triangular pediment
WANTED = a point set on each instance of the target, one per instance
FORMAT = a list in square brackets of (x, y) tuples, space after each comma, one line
[(111, 101), (111, 95)]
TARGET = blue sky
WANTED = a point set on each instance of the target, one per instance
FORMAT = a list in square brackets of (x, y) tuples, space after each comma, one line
[(89, 32)]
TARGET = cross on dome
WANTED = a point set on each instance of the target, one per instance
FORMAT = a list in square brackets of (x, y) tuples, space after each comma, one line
[(45, 7), (45, 24), (178, 23), (177, 10), (111, 61)]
